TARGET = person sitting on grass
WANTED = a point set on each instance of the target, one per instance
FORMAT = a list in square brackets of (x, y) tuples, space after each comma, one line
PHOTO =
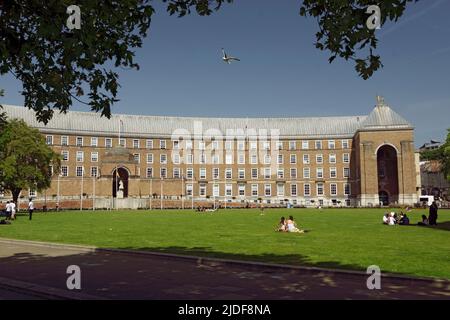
[(282, 225), (404, 220), (386, 218), (424, 221), (292, 226)]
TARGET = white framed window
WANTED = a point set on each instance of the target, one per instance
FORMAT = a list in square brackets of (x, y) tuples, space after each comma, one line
[(306, 189), (202, 174), (188, 144), (280, 189), (189, 158), (137, 157), (149, 144), (294, 190), (320, 189), (176, 173), (306, 159), (64, 171), (241, 145), (215, 158), (346, 158), (94, 172), (215, 173), (79, 171), (189, 189), (241, 173), (267, 190), (280, 173), (123, 142), (202, 190), (228, 190), (279, 145), (163, 173), (333, 189), (319, 173), (292, 145), (333, 173), (253, 158), (202, 158), (201, 145), (318, 144), (254, 190), (266, 145), (306, 173), (215, 145), (293, 172), (94, 156), (64, 140), (65, 155), (347, 189), (162, 144), (228, 173), (150, 158), (332, 158), (319, 158), (135, 143), (189, 173), (49, 140), (163, 158), (305, 144), (254, 173), (241, 158), (331, 144), (94, 142), (241, 190), (229, 145), (345, 144), (267, 173), (216, 190), (267, 158), (32, 193), (346, 172), (293, 159), (229, 158), (149, 172), (280, 159), (79, 141), (175, 144), (80, 156), (108, 143), (253, 145)]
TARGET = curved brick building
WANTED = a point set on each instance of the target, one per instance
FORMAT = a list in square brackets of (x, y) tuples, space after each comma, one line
[(154, 161)]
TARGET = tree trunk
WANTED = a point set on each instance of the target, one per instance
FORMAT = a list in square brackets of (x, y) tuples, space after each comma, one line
[(15, 194)]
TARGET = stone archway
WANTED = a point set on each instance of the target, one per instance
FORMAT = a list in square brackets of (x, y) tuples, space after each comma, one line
[(120, 174), (387, 169)]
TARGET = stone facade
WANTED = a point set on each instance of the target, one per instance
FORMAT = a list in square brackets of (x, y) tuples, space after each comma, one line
[(327, 167)]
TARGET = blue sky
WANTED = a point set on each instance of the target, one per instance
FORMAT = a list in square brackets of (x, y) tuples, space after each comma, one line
[(281, 73)]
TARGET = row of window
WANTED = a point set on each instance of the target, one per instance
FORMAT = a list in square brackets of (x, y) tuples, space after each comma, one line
[(188, 144), (280, 190), (215, 159), (266, 173)]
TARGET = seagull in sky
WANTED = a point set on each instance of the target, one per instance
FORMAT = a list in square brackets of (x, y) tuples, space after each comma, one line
[(226, 58)]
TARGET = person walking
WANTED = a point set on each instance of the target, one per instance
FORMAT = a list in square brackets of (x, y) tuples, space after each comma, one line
[(30, 208), (8, 210), (13, 210)]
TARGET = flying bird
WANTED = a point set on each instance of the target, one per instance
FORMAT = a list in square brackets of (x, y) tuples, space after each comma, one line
[(226, 58)]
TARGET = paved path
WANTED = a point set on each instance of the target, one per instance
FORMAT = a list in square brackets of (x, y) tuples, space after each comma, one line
[(129, 276)]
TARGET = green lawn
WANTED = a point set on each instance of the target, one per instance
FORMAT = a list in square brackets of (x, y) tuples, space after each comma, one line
[(337, 238)]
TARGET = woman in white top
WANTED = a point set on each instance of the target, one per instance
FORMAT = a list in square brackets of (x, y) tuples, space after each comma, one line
[(13, 210), (291, 225)]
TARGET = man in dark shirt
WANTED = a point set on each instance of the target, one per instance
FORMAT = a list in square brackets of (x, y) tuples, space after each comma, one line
[(433, 214)]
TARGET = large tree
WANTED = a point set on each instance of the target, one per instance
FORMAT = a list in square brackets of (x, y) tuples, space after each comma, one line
[(57, 66), (26, 161)]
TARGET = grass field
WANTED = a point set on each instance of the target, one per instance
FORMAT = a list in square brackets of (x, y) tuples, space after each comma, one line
[(337, 238)]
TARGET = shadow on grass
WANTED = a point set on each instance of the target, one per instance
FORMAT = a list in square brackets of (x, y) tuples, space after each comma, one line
[(131, 276), (440, 226)]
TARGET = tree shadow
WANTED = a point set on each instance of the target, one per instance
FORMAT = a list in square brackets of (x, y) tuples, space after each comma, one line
[(116, 275)]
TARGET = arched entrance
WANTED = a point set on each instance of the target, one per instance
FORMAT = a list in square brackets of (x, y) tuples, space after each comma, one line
[(120, 175), (387, 174)]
